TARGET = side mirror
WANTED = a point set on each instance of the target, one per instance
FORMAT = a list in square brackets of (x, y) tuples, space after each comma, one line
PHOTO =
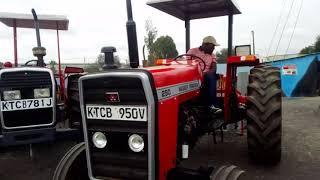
[(243, 50), (70, 70)]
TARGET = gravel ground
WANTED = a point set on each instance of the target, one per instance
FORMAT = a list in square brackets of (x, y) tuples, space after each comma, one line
[(300, 158), (300, 146)]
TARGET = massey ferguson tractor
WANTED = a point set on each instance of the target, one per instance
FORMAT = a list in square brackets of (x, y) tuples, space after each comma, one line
[(29, 106), (141, 123)]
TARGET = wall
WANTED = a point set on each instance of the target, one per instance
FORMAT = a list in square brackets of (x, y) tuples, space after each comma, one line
[(305, 81)]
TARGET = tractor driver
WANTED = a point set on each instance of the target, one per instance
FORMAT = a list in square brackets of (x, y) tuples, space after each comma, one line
[(205, 51)]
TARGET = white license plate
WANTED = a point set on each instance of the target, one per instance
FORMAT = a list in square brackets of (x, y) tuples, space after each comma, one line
[(24, 104), (126, 113)]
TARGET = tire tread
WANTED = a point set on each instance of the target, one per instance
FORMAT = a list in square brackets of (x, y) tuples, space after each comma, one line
[(264, 114)]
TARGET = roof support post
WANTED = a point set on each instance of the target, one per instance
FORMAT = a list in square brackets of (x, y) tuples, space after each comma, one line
[(15, 43), (230, 33), (59, 66), (187, 26)]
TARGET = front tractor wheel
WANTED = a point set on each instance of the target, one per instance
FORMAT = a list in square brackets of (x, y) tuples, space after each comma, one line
[(264, 115), (228, 173), (73, 165)]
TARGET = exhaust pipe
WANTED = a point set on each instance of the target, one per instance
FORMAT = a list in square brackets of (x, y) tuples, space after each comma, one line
[(132, 38), (38, 51)]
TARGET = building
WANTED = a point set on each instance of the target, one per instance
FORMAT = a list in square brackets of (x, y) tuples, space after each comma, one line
[(300, 76)]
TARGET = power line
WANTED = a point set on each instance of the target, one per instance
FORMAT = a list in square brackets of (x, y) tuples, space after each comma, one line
[(284, 27), (294, 28), (275, 32)]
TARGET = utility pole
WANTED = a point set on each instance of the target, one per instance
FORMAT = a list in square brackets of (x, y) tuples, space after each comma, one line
[(253, 44), (84, 62)]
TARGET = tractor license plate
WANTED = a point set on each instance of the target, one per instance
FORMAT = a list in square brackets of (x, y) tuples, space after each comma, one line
[(125, 113), (24, 104)]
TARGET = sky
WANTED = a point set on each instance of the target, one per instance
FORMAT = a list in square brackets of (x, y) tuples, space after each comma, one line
[(97, 23)]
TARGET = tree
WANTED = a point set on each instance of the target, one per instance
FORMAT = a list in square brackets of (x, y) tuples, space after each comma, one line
[(100, 61), (164, 47), (222, 55), (312, 48), (52, 66), (149, 40), (92, 68), (307, 50), (317, 45)]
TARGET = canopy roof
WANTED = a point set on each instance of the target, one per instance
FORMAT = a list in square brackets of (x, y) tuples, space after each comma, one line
[(196, 9), (26, 21)]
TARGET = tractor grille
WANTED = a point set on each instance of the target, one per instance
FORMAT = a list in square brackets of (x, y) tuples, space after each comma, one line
[(26, 81), (116, 160), (130, 90)]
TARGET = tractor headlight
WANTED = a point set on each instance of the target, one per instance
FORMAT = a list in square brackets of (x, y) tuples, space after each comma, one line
[(136, 143), (11, 95), (41, 93), (99, 140)]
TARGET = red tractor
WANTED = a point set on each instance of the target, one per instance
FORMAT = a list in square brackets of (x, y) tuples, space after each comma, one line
[(140, 123), (30, 105)]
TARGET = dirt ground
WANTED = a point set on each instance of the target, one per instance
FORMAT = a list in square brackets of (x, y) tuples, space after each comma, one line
[(300, 156)]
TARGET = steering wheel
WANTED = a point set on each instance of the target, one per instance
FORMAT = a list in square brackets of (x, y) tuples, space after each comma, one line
[(193, 56), (34, 60), (28, 62)]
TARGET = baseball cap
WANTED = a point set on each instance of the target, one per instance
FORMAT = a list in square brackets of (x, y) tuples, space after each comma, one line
[(211, 40)]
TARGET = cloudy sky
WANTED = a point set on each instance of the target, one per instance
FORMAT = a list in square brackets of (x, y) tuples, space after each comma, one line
[(97, 23)]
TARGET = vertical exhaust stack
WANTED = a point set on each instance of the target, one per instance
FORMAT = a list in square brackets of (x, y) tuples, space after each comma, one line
[(132, 38), (38, 51)]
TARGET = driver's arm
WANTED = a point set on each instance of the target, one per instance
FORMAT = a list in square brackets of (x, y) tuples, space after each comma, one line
[(194, 51), (191, 51)]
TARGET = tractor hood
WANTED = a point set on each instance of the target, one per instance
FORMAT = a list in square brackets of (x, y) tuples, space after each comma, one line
[(176, 78)]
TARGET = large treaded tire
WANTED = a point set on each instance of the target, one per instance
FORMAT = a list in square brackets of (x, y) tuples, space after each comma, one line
[(73, 165), (227, 173), (264, 115)]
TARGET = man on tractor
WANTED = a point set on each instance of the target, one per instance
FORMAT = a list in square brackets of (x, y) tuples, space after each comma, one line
[(205, 52)]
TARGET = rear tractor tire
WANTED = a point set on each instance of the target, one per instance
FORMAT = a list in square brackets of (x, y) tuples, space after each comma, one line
[(264, 115)]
